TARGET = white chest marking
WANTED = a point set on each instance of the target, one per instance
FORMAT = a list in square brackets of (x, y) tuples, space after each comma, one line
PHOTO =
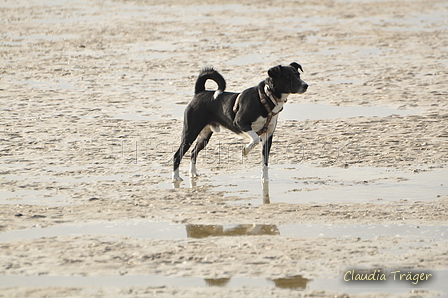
[(260, 122), (284, 97), (278, 107)]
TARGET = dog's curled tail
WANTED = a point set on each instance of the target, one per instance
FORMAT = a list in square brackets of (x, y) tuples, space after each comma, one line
[(209, 73)]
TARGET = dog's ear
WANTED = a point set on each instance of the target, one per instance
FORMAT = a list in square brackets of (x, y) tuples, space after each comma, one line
[(297, 66), (275, 71)]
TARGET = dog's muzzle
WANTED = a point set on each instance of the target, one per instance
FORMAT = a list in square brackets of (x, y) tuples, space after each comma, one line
[(303, 88)]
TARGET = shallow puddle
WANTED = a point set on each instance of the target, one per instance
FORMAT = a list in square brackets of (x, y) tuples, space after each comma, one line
[(324, 111), (297, 282), (141, 229), (289, 183), (292, 111), (172, 112), (35, 197), (50, 196), (252, 58), (302, 183), (145, 229)]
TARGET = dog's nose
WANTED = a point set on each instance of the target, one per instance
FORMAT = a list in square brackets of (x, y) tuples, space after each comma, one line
[(305, 86)]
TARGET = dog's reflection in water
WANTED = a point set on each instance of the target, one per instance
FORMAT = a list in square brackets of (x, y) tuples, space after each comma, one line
[(265, 191), (264, 188), (293, 282), (217, 282), (296, 282), (204, 231)]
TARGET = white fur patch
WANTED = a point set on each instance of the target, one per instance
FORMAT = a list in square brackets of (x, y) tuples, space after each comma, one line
[(176, 176), (278, 107), (254, 141), (193, 171), (259, 123), (254, 138), (284, 97), (217, 93)]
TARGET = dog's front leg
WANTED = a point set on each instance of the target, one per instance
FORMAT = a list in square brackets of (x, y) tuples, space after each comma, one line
[(246, 127), (254, 141), (267, 143)]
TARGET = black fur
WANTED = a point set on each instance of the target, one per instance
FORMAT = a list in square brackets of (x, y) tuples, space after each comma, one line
[(208, 73)]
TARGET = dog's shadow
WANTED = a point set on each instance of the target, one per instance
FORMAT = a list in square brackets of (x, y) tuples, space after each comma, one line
[(264, 188)]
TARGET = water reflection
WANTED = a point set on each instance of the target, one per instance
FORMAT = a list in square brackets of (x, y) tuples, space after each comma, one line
[(264, 188), (293, 282), (265, 192), (192, 182), (296, 282), (204, 231), (216, 282), (176, 184)]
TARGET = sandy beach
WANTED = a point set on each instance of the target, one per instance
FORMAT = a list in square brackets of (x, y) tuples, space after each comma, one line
[(92, 97)]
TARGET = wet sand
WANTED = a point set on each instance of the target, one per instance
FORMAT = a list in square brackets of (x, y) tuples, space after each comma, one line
[(92, 95)]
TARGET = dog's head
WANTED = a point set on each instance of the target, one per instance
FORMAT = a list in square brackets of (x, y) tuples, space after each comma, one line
[(286, 79)]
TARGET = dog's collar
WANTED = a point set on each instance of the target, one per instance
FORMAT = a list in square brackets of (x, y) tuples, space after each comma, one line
[(271, 96), (271, 114)]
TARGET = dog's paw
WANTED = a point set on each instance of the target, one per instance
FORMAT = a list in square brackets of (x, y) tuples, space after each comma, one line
[(193, 171), (176, 177), (248, 148), (246, 151), (194, 175)]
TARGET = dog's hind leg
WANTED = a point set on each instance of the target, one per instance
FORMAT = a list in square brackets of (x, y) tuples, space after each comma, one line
[(201, 142), (188, 137), (177, 158)]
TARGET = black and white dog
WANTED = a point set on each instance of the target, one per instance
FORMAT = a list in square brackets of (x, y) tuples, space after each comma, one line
[(253, 112)]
